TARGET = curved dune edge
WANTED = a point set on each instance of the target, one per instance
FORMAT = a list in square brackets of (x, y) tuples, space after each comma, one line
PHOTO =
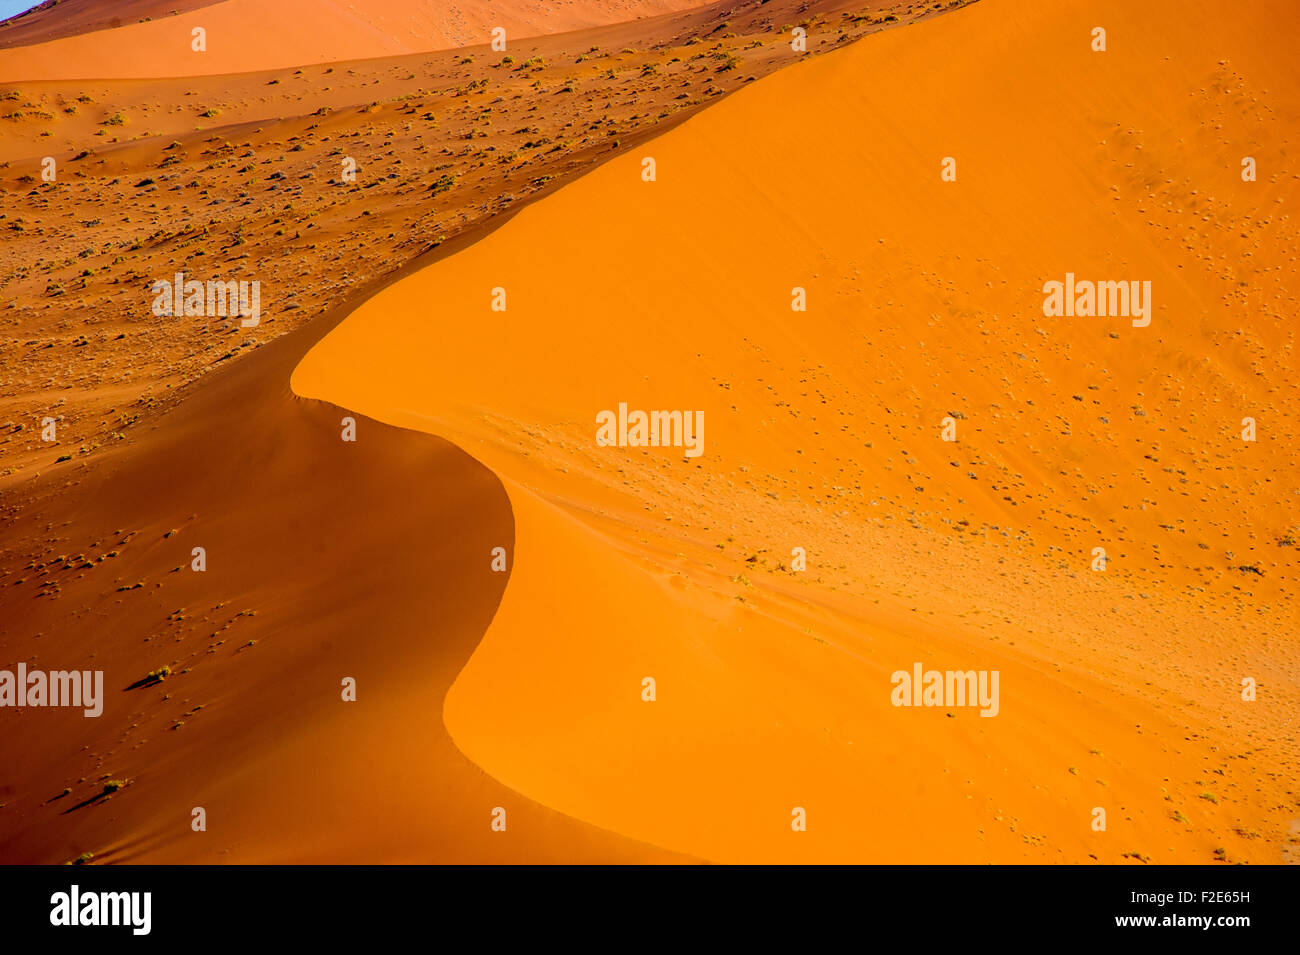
[(1119, 691), (325, 560), (162, 47)]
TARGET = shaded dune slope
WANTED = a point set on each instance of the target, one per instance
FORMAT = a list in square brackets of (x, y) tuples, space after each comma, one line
[(325, 560), (53, 19), (1120, 690)]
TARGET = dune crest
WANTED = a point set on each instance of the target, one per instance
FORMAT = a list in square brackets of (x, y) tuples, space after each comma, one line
[(924, 311)]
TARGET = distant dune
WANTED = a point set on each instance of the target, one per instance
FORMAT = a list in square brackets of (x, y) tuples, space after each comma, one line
[(52, 19), (251, 35), (1120, 689)]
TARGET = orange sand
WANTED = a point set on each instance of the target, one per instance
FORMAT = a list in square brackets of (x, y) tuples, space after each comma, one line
[(325, 559), (1119, 690)]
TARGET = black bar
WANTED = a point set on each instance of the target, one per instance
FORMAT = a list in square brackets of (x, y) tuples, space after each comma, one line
[(328, 905)]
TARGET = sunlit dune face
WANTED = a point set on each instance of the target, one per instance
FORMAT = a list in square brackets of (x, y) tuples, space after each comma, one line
[(835, 319)]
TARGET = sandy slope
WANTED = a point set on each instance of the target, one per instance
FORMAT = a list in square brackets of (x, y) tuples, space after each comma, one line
[(1120, 690), (239, 176), (325, 560), (248, 35)]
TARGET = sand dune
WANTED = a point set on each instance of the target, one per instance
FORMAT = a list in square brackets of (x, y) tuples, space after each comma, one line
[(325, 560), (1121, 689), (170, 431), (239, 176), (52, 19), (250, 35)]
